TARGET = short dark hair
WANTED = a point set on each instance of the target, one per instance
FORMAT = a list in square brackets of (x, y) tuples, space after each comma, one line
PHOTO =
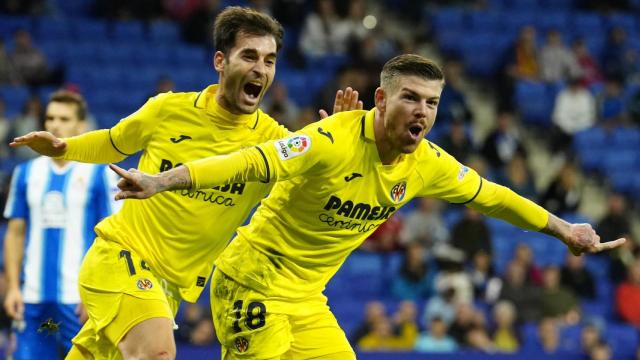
[(70, 97), (409, 64), (235, 19)]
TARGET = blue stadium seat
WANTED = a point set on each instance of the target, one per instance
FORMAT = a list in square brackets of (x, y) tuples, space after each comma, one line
[(90, 30), (598, 266), (483, 53), (365, 274), (117, 54), (625, 21), (449, 40), (591, 138), (164, 32), (516, 19), (50, 29), (623, 180), (534, 101), (558, 20), (619, 160), (447, 19), (484, 21), (154, 55), (626, 139), (622, 338), (585, 24), (130, 31), (55, 52), (14, 98), (9, 25), (190, 56)]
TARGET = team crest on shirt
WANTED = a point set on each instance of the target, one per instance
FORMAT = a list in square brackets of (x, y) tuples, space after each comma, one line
[(294, 146), (398, 191), (144, 284), (241, 344)]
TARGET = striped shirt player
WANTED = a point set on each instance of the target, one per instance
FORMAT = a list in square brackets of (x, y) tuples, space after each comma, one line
[(60, 207)]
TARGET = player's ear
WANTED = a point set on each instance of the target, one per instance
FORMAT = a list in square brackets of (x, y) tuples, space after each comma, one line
[(380, 99), (218, 61)]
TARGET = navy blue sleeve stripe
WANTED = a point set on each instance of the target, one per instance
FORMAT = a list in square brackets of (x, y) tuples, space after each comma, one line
[(266, 163), (115, 147)]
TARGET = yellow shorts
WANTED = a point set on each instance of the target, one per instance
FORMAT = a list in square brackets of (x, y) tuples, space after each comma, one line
[(251, 326), (119, 291)]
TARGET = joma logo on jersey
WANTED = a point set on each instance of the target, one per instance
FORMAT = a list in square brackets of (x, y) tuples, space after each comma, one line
[(235, 188), (360, 211), (398, 191)]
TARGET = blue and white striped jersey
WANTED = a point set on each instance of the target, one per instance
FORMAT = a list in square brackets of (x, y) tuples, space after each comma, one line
[(60, 206)]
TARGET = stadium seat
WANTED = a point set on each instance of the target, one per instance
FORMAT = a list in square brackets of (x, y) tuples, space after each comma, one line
[(534, 102), (591, 138), (585, 24), (516, 19), (447, 19), (129, 31), (622, 338), (9, 25), (484, 21), (14, 98), (164, 32), (558, 20), (625, 21), (50, 29), (483, 53), (90, 30)]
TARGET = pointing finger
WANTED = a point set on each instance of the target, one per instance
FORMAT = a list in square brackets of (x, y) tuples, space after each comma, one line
[(611, 244), (120, 171)]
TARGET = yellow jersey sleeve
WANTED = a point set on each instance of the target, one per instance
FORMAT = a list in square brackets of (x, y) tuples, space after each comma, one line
[(93, 147), (132, 133), (304, 152), (447, 179)]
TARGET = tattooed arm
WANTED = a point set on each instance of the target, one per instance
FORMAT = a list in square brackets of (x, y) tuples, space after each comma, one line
[(138, 185), (580, 238)]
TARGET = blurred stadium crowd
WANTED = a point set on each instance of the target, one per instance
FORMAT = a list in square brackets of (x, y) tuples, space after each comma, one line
[(559, 80)]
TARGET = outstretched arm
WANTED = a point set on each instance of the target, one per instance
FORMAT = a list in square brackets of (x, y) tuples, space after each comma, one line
[(93, 147), (580, 238), (241, 166)]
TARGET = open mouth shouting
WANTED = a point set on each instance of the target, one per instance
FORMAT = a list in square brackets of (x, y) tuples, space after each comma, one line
[(252, 91), (416, 131)]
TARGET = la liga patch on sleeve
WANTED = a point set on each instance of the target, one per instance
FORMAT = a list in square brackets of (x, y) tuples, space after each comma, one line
[(293, 146)]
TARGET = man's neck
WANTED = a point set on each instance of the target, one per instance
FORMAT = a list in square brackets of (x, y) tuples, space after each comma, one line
[(386, 153)]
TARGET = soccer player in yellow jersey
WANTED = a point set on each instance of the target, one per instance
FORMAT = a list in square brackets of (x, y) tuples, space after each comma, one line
[(152, 254), (337, 181)]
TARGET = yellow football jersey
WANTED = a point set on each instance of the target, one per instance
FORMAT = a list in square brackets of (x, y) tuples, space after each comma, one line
[(180, 233), (335, 193)]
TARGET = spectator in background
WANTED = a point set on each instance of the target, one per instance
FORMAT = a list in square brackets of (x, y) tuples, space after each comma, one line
[(521, 63), (505, 336), (453, 103), (405, 325), (29, 120), (503, 143), (601, 351), (425, 225), (628, 295), (374, 311), (324, 32), (30, 62), (471, 234), (279, 105), (483, 277), (204, 333), (467, 318), (575, 277), (442, 306), (452, 275), (611, 104), (590, 337), (5, 130), (590, 73), (380, 338), (193, 313), (615, 54), (436, 338), (574, 110), (524, 256), (526, 298), (557, 301), (564, 193), (548, 336), (517, 176), (196, 28), (456, 142), (616, 220), (415, 280), (386, 237), (557, 62), (478, 339), (8, 73)]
